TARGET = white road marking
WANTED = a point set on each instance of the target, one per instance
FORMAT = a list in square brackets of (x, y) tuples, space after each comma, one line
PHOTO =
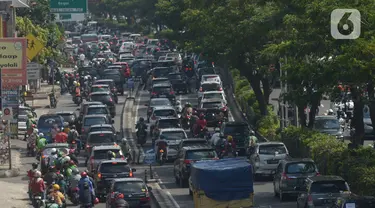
[(164, 189)]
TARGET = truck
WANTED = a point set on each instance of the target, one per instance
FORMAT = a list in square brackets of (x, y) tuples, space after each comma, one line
[(225, 183)]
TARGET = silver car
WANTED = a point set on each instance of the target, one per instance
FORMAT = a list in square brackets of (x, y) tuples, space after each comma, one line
[(99, 153), (266, 157), (173, 137)]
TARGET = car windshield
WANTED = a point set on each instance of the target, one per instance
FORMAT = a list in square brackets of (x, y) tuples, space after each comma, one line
[(212, 96), (161, 72), (175, 76), (271, 149), (100, 97), (329, 187), (49, 150), (211, 87), (327, 124), (94, 129), (300, 167), (165, 102), (114, 167), (129, 187), (100, 89), (200, 154), (211, 77), (49, 121), (67, 117), (103, 154), (93, 111), (101, 138), (174, 135), (206, 70), (212, 105), (94, 121), (165, 112), (161, 89), (236, 129), (104, 82), (169, 123), (160, 81)]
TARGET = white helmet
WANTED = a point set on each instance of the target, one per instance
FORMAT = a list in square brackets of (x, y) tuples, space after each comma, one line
[(41, 134), (330, 111), (35, 131), (53, 151), (75, 83), (66, 158), (37, 174), (75, 67), (85, 77)]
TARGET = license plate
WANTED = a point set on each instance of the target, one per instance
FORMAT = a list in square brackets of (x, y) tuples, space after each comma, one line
[(272, 161)]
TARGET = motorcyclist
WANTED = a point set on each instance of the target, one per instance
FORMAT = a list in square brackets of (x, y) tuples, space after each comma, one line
[(200, 124), (187, 110), (54, 130), (52, 157), (161, 144), (58, 197), (42, 142), (69, 168), (74, 179), (62, 183), (59, 161), (111, 155), (119, 202), (77, 90), (86, 190), (51, 176), (37, 184), (141, 126), (230, 146), (252, 140), (73, 156), (31, 174), (31, 140), (61, 137)]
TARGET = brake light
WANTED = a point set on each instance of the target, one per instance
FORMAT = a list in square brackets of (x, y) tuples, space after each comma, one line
[(284, 177), (131, 174), (187, 162), (310, 201), (110, 100), (99, 175), (114, 163), (153, 93), (101, 134), (200, 89), (75, 189), (221, 89), (317, 174), (172, 93), (122, 157), (153, 118), (224, 108)]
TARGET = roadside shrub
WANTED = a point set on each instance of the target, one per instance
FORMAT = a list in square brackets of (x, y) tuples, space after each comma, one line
[(268, 126)]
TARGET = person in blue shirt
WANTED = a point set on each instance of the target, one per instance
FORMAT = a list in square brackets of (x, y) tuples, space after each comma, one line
[(86, 190)]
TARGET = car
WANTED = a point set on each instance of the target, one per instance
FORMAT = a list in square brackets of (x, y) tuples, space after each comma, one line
[(99, 138), (160, 80), (161, 58), (191, 142), (163, 91), (156, 102), (102, 127), (158, 72), (322, 191), (68, 116), (355, 201), (328, 125), (103, 88), (266, 157), (173, 136), (175, 57), (204, 69), (164, 123), (46, 152), (90, 120), (106, 98), (98, 110), (217, 105), (211, 77), (162, 111), (240, 132), (135, 191), (179, 82), (117, 74), (209, 86), (188, 155), (99, 153), (83, 108), (167, 63), (110, 82), (220, 95), (291, 173), (127, 47), (48, 121)]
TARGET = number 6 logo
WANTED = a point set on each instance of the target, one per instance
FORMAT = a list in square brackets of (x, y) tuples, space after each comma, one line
[(345, 24)]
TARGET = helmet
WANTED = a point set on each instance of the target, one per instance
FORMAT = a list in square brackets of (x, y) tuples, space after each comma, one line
[(41, 135), (252, 132), (59, 154), (230, 138), (71, 162), (330, 111), (60, 176), (75, 67), (201, 116), (120, 195), (110, 154), (35, 131), (35, 165), (83, 174), (37, 174), (56, 187), (96, 201), (66, 158), (53, 151), (75, 171), (141, 119), (75, 83), (66, 124), (78, 84), (85, 77)]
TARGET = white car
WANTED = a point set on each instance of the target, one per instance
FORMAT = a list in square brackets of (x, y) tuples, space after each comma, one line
[(161, 111), (174, 56), (211, 77), (209, 86), (126, 55), (213, 95), (127, 47)]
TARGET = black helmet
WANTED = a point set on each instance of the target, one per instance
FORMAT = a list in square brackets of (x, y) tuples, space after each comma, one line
[(35, 165), (141, 119)]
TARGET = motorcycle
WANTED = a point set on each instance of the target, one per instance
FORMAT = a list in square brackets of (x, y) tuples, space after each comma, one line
[(201, 133), (37, 201), (77, 100), (74, 146), (74, 196), (53, 102)]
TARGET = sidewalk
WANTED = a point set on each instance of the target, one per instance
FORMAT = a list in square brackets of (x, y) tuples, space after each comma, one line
[(16, 165), (41, 99), (13, 195)]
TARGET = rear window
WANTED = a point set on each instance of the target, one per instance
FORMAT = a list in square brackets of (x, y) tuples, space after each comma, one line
[(67, 117), (300, 167), (213, 77), (169, 123), (114, 167), (100, 89), (211, 87), (200, 154), (49, 121), (104, 82), (159, 81), (161, 89), (165, 113), (100, 97), (328, 187), (160, 102), (192, 143), (102, 154), (175, 76), (212, 105), (94, 121), (174, 135), (93, 111), (100, 129), (161, 72), (101, 138), (213, 96), (231, 129), (49, 150), (271, 149), (129, 187)]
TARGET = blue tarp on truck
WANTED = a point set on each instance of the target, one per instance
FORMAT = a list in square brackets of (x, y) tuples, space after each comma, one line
[(223, 180)]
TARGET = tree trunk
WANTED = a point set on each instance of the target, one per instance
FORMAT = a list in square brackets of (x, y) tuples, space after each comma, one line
[(266, 90), (302, 116), (357, 119), (255, 85), (315, 103)]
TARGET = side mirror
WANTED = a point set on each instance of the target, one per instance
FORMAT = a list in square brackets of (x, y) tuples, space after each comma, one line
[(134, 170), (149, 188)]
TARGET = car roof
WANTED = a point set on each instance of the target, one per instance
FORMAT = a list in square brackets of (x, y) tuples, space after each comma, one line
[(100, 85), (159, 99), (24, 107), (54, 145), (97, 106), (164, 108), (326, 178), (65, 112), (211, 100), (167, 118), (160, 79), (105, 147), (115, 160), (99, 93), (171, 129), (174, 73), (128, 179), (198, 147), (103, 80), (270, 143), (92, 103), (325, 117), (101, 132), (213, 92)]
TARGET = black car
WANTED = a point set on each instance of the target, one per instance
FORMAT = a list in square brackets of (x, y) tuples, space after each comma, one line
[(205, 70), (179, 82), (116, 76), (108, 170), (107, 99), (135, 192), (68, 116), (163, 91), (240, 132), (158, 72)]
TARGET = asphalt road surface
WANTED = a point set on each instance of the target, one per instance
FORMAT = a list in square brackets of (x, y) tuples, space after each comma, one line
[(65, 103), (264, 195)]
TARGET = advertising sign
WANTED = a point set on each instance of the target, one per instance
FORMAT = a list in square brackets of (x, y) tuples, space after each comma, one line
[(33, 71), (68, 6), (10, 98), (13, 61)]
